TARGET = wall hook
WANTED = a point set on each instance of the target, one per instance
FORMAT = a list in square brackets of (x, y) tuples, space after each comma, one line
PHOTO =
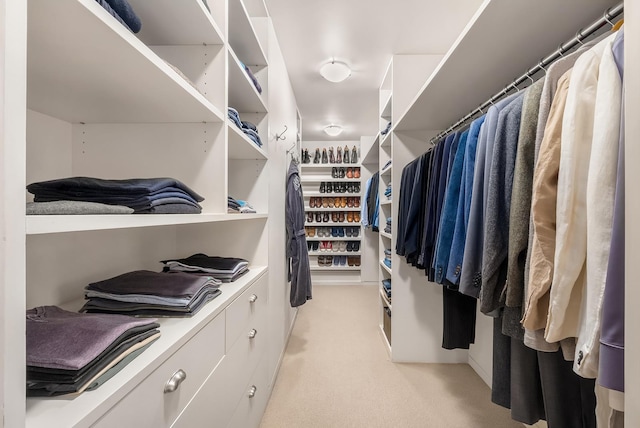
[(281, 135)]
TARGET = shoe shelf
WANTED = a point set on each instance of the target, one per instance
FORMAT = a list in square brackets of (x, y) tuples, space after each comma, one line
[(332, 195), (331, 224), (353, 209), (386, 235), (332, 238), (385, 267), (335, 253), (321, 178), (335, 268), (329, 165)]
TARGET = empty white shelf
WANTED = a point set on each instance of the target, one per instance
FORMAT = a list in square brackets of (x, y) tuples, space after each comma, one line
[(242, 35)]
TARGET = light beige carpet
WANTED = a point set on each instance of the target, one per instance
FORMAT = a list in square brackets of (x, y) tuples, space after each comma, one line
[(336, 372)]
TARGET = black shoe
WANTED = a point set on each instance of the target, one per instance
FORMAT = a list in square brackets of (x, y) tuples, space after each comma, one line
[(339, 155), (334, 172), (318, 217), (305, 156), (356, 188), (349, 246), (356, 246), (325, 217), (316, 245), (341, 172), (332, 158), (325, 159), (349, 232), (345, 156), (341, 232), (316, 157), (354, 155), (329, 187), (323, 187), (356, 232), (334, 232)]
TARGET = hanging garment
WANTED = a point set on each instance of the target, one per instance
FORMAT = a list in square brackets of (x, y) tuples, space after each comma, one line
[(297, 252), (571, 220), (611, 373), (464, 203), (373, 202), (364, 206), (498, 198), (471, 275), (429, 230)]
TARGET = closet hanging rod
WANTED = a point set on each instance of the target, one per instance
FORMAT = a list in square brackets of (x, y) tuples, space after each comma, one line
[(581, 35)]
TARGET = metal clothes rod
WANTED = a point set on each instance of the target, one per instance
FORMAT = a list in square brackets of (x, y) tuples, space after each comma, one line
[(582, 34)]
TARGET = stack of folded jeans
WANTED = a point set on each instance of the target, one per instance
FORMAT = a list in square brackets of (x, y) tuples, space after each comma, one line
[(387, 228), (387, 191), (225, 269), (123, 12), (143, 195), (387, 258), (69, 352), (147, 293), (248, 128), (252, 77), (386, 285), (239, 206)]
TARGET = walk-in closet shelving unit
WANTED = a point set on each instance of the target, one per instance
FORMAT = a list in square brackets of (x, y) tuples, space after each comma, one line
[(313, 176), (477, 66), (100, 101), (369, 150)]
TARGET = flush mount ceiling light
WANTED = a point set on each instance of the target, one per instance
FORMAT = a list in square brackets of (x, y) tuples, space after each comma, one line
[(335, 71), (333, 130)]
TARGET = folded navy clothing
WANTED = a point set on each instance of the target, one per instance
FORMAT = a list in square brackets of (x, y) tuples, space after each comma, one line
[(48, 329), (248, 125), (214, 263), (234, 116), (253, 135), (386, 283), (125, 11), (153, 283), (106, 6)]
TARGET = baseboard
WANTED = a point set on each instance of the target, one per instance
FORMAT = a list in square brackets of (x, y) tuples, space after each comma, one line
[(340, 282), (480, 371)]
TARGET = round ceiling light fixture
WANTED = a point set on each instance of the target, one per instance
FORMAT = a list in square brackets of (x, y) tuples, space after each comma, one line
[(335, 71), (333, 130)]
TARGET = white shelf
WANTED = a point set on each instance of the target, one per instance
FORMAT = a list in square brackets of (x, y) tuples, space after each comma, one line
[(387, 170), (241, 146), (371, 156), (43, 224), (386, 139), (67, 412), (386, 109), (256, 8), (334, 268), (335, 253), (331, 238), (385, 298), (496, 60), (242, 35), (385, 266), (307, 209), (168, 22), (328, 165), (243, 95), (332, 194), (106, 75), (387, 202), (386, 235), (321, 178), (332, 224)]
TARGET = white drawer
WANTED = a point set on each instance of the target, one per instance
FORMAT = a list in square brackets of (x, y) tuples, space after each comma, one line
[(242, 311), (214, 404), (148, 405), (251, 407)]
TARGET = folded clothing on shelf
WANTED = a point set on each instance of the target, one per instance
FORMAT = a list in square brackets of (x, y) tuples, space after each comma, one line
[(239, 206), (386, 130), (387, 263), (70, 352), (225, 269), (150, 293), (123, 12), (386, 165), (143, 195), (252, 77), (248, 128), (74, 208)]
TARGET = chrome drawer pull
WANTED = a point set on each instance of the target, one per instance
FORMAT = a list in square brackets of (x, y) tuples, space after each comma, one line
[(252, 333), (175, 381), (252, 391), (253, 298)]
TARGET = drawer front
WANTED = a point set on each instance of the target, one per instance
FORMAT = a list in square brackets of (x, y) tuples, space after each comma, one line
[(254, 401), (243, 310), (214, 404), (148, 405)]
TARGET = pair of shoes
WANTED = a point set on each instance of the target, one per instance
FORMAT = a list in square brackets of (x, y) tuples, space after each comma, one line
[(353, 260), (309, 217), (316, 157), (323, 187), (310, 231), (325, 260), (345, 157), (356, 172), (356, 201), (332, 158), (325, 217), (325, 158), (350, 216), (356, 216), (314, 245), (353, 245), (337, 172), (339, 155)]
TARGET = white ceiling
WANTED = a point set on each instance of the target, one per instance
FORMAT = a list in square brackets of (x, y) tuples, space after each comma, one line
[(364, 34)]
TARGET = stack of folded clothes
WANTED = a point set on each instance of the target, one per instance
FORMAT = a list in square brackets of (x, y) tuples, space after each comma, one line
[(387, 191), (386, 130), (147, 293), (387, 228), (248, 128), (123, 12), (386, 285), (143, 195), (239, 206), (69, 352), (225, 269), (386, 165), (252, 77), (387, 258)]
